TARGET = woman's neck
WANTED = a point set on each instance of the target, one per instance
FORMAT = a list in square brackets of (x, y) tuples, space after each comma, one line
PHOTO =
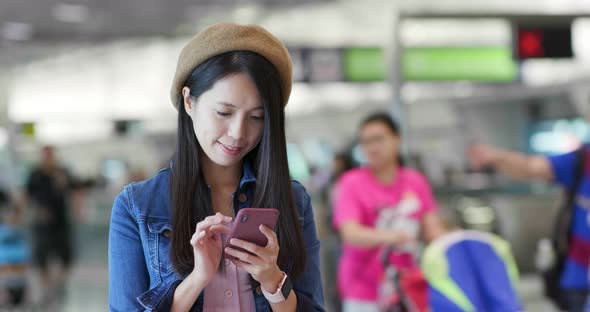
[(221, 178), (386, 174)]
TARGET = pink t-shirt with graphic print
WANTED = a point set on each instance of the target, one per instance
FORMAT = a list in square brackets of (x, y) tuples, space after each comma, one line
[(363, 199)]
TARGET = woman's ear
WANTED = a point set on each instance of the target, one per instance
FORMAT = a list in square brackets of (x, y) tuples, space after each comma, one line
[(188, 101)]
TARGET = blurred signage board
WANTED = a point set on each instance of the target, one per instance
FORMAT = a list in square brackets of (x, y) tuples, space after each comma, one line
[(324, 65), (364, 64), (543, 42), (343, 64), (484, 64)]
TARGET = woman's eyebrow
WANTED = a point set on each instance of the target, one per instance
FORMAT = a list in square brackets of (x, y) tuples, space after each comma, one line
[(226, 104)]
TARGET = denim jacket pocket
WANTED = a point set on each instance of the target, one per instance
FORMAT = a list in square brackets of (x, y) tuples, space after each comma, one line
[(160, 238)]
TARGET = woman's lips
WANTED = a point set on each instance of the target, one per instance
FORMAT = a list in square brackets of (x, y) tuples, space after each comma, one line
[(230, 150)]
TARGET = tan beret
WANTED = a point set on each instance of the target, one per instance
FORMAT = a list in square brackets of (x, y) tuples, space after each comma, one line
[(227, 37)]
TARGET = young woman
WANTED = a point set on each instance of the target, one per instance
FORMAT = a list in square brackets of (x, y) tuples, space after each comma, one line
[(165, 247), (378, 205)]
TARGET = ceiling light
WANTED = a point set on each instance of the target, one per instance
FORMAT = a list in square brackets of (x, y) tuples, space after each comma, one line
[(17, 31), (70, 13)]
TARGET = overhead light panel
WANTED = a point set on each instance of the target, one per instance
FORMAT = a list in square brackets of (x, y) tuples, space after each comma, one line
[(70, 13), (17, 31)]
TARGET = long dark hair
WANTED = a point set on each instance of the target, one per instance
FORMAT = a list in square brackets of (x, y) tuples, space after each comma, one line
[(387, 120), (189, 194)]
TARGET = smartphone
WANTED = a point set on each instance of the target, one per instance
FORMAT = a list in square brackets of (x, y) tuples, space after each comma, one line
[(247, 223)]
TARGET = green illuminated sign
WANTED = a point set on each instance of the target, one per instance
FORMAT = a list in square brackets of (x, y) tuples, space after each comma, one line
[(489, 64), (363, 64)]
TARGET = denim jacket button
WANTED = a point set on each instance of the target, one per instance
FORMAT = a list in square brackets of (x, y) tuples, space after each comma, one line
[(259, 290), (242, 198), (167, 233)]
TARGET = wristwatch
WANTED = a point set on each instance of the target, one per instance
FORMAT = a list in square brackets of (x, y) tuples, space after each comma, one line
[(282, 292)]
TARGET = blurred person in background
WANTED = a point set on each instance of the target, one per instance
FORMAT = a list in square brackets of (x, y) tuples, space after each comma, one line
[(341, 163), (468, 270), (166, 236), (569, 170), (378, 206), (14, 254), (50, 191)]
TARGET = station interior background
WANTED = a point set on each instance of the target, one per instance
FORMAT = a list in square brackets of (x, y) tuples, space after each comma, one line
[(92, 78)]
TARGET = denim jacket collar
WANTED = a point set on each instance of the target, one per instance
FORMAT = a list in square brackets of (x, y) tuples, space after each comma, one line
[(247, 174)]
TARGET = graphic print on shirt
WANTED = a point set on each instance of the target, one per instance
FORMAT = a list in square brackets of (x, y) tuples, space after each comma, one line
[(399, 217)]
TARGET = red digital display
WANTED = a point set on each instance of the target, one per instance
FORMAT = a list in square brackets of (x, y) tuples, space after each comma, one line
[(530, 43), (543, 42)]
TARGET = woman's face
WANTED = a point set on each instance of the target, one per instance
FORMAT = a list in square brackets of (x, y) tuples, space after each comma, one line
[(379, 144), (228, 119)]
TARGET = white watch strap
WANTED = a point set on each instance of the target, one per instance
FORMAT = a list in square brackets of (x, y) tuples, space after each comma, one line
[(278, 295)]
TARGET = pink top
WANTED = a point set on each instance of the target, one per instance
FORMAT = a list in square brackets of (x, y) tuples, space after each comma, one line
[(231, 291), (363, 199)]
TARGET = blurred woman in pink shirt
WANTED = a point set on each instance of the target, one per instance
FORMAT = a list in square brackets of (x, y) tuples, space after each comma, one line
[(378, 205)]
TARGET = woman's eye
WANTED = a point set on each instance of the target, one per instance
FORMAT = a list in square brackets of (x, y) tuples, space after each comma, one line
[(259, 118), (223, 114)]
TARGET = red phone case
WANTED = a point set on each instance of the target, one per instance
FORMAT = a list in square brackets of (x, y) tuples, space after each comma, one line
[(246, 226)]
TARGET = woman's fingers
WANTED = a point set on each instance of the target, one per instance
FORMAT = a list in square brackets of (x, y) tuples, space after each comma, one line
[(218, 218), (253, 248), (243, 256), (216, 230), (210, 229), (208, 232), (220, 229), (271, 236), (198, 238), (242, 265)]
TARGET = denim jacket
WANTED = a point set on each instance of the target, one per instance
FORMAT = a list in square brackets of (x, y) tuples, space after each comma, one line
[(141, 276)]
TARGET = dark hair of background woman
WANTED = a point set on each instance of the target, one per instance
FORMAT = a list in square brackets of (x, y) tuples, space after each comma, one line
[(387, 120)]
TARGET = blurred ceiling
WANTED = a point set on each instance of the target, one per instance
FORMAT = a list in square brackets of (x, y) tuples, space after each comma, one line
[(97, 20), (102, 50), (34, 29)]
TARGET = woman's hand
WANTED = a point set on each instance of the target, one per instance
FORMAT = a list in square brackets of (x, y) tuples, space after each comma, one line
[(207, 246), (400, 238), (262, 263)]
